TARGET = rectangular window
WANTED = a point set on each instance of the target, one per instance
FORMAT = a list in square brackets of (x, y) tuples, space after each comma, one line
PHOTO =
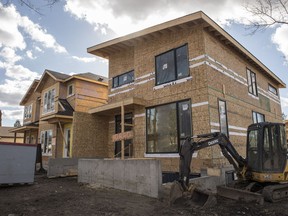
[(70, 90), (252, 85), (123, 79), (46, 142), (272, 89), (258, 117), (223, 117), (49, 104), (167, 126), (172, 65), (28, 112)]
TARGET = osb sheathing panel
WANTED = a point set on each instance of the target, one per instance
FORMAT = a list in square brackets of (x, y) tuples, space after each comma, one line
[(89, 95), (90, 135)]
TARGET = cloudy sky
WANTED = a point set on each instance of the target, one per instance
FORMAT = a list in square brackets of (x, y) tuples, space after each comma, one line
[(57, 37)]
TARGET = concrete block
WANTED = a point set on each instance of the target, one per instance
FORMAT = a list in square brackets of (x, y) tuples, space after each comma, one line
[(136, 176), (62, 167)]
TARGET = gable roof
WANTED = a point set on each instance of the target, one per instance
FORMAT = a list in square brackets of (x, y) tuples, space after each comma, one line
[(29, 92), (127, 42), (61, 77), (5, 132)]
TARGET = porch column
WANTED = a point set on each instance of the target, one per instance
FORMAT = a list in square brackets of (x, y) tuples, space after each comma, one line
[(122, 131)]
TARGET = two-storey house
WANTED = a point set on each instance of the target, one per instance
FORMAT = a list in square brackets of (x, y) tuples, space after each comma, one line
[(49, 107), (181, 78)]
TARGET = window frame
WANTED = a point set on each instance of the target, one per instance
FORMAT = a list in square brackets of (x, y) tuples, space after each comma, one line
[(226, 117), (176, 75), (250, 82), (68, 88), (117, 79), (273, 88), (28, 111), (47, 141), (177, 126), (52, 101), (257, 114)]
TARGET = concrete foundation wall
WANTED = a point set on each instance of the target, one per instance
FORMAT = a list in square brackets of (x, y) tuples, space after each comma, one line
[(62, 167), (137, 176)]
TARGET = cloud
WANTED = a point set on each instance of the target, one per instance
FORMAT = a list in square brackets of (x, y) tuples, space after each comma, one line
[(30, 54), (9, 55), (284, 102), (12, 114), (280, 39), (128, 16), (38, 34), (89, 59), (11, 24), (9, 32)]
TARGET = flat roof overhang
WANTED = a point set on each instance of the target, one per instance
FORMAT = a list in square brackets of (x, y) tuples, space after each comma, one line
[(22, 129), (112, 108), (53, 119), (129, 41)]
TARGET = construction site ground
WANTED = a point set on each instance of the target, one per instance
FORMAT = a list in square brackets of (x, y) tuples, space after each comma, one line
[(64, 196)]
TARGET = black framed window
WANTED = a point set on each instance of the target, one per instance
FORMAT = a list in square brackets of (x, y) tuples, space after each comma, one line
[(258, 117), (123, 79), (252, 84), (167, 126), (272, 89), (223, 117), (172, 65)]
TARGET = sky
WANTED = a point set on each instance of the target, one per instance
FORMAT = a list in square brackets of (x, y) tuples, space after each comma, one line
[(57, 37)]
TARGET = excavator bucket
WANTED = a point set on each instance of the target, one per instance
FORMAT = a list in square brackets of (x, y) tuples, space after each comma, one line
[(194, 197)]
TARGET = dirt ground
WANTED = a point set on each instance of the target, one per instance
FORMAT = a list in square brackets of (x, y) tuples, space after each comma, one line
[(64, 196)]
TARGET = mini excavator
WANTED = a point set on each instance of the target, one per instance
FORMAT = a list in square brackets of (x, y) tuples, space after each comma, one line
[(263, 171)]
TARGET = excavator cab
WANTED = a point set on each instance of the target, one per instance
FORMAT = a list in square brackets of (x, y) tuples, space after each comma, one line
[(266, 150)]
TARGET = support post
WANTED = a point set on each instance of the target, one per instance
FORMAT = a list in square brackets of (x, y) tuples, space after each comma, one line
[(122, 131), (60, 126)]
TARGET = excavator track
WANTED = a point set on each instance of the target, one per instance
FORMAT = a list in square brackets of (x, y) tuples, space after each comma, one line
[(275, 193)]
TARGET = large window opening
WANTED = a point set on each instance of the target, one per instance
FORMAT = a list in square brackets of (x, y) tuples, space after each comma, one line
[(167, 126), (28, 112), (49, 104), (252, 85), (46, 142), (123, 79), (223, 117), (172, 65), (258, 117), (128, 119)]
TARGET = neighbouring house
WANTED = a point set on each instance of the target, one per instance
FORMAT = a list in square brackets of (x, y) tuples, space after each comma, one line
[(49, 105), (180, 78), (6, 136)]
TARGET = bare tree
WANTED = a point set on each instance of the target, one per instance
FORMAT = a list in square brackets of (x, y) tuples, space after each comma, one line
[(33, 5), (267, 13)]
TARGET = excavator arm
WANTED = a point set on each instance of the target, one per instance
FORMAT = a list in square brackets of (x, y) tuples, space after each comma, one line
[(203, 141)]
